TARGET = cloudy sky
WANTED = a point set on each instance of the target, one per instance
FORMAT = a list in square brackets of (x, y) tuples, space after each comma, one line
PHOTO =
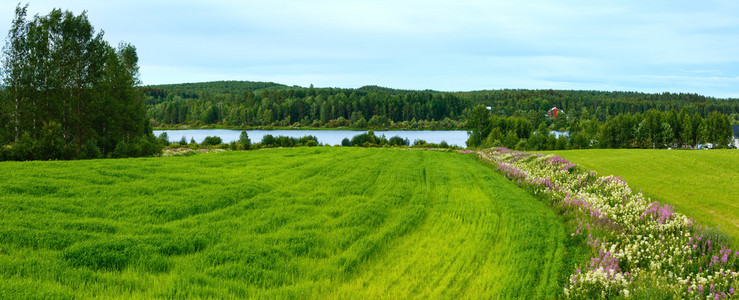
[(648, 46)]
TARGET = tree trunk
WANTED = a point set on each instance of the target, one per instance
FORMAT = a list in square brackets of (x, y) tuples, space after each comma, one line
[(17, 131)]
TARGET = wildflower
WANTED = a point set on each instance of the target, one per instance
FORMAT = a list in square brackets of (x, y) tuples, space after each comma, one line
[(648, 237)]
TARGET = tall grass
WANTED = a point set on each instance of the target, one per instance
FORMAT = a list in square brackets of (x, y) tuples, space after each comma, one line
[(281, 223)]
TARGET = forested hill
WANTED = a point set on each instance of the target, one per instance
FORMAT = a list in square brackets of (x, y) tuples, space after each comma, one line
[(246, 104), (196, 90)]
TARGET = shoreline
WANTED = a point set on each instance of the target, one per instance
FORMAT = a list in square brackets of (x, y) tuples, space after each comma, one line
[(209, 127)]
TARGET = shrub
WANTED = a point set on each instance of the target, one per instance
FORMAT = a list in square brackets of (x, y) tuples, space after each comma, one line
[(91, 150), (366, 139), (420, 143), (51, 145), (306, 140), (121, 150), (398, 141), (212, 141), (268, 140)]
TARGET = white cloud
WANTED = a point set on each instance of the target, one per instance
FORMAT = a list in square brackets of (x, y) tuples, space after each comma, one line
[(461, 45)]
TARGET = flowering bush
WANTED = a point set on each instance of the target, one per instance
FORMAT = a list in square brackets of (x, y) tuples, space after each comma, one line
[(638, 246)]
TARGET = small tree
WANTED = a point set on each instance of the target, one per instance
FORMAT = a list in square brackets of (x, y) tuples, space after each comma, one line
[(244, 140), (163, 139)]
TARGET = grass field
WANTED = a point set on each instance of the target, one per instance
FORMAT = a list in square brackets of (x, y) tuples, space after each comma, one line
[(701, 184), (282, 223)]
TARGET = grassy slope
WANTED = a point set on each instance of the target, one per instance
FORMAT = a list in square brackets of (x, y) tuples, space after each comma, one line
[(701, 184), (306, 222)]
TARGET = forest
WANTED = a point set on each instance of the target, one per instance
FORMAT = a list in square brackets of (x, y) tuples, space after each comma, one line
[(67, 93), (650, 130), (246, 104)]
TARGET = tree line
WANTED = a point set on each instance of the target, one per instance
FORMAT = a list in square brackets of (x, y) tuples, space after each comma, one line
[(599, 104), (653, 130), (281, 106), (67, 93), (258, 104)]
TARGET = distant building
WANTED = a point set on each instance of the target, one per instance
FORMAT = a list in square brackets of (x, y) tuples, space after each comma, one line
[(554, 112), (490, 108), (736, 135)]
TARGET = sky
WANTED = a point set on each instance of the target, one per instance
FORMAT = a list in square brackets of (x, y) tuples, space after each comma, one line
[(646, 46)]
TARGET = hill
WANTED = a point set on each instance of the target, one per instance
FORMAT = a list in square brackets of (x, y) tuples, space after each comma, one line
[(245, 104), (195, 90), (283, 223)]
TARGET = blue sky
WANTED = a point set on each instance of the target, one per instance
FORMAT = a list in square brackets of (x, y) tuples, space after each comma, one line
[(647, 46)]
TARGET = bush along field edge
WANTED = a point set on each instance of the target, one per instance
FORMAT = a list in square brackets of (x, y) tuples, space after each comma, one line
[(638, 247)]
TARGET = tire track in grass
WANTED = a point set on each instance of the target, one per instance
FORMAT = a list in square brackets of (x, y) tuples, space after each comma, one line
[(471, 243)]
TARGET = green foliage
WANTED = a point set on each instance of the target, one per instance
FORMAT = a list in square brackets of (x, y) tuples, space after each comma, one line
[(319, 222), (64, 86), (212, 141), (24, 148), (244, 141), (653, 129), (91, 150), (246, 104), (243, 104), (479, 122), (368, 139), (717, 236), (398, 141), (121, 150), (163, 139), (269, 141)]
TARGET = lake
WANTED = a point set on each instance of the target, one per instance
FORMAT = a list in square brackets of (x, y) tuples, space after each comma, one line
[(330, 137)]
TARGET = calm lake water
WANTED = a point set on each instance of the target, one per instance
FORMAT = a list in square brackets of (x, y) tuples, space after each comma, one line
[(331, 137)]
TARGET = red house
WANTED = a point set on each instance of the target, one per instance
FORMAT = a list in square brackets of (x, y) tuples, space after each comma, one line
[(553, 112)]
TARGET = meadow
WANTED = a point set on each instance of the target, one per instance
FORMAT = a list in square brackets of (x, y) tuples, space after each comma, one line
[(317, 222), (639, 246), (700, 184)]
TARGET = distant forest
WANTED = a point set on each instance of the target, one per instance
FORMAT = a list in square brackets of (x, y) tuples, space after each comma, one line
[(265, 104)]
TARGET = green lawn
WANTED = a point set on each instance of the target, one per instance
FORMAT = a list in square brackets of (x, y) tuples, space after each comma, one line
[(282, 223), (703, 185)]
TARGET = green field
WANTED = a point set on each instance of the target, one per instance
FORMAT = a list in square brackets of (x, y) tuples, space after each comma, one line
[(703, 185), (283, 223)]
